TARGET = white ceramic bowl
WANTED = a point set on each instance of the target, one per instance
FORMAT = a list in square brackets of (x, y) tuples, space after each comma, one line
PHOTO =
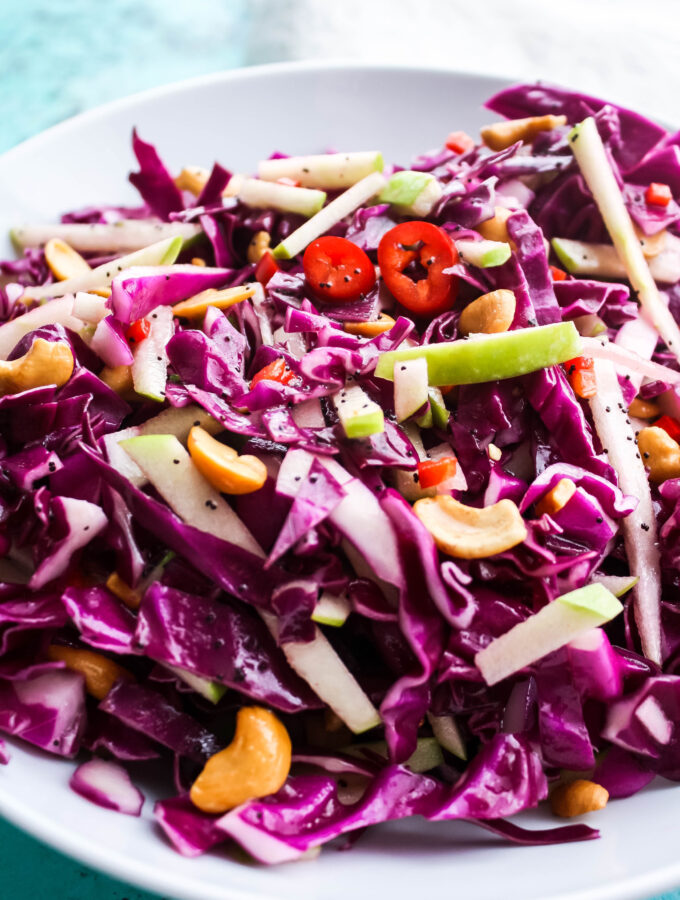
[(239, 117)]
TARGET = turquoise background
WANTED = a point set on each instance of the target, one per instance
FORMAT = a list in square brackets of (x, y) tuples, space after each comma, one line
[(57, 59)]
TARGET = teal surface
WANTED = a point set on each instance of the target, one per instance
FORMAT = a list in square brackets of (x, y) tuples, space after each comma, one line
[(56, 60)]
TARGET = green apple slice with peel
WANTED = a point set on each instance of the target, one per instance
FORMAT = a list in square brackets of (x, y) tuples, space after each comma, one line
[(118, 237), (56, 312), (170, 469), (358, 195), (550, 628), (211, 690), (447, 734), (484, 254), (410, 387), (426, 756), (150, 364), (586, 145), (323, 670), (332, 609), (589, 325), (177, 421), (411, 193), (359, 415), (602, 261), (282, 197), (328, 171), (616, 435), (617, 584), (163, 253), (91, 308), (490, 357)]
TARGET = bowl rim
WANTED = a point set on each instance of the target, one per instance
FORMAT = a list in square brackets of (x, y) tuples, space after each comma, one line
[(135, 871)]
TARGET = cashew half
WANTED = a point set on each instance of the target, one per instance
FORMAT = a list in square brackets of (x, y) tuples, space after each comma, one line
[(63, 261), (255, 764), (370, 329), (197, 306), (489, 314), (577, 798), (100, 672), (470, 533), (643, 409), (556, 498), (496, 228), (258, 246), (221, 465), (660, 454), (192, 179), (504, 134), (46, 362)]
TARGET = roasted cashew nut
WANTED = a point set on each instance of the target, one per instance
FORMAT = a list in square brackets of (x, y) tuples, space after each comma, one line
[(496, 228), (370, 329), (221, 465), (556, 498), (501, 135), (470, 533), (660, 454), (258, 246), (255, 764), (577, 798), (63, 261), (192, 179), (489, 314), (100, 672), (45, 362)]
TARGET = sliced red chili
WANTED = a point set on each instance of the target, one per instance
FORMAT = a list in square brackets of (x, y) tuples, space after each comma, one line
[(670, 426), (337, 270), (432, 472), (413, 257), (266, 268), (581, 374), (557, 274), (274, 371), (658, 194), (290, 182), (460, 142), (138, 331)]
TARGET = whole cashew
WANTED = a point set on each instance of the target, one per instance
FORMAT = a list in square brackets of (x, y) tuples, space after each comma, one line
[(100, 672), (660, 454), (468, 532), (46, 362), (489, 314), (255, 764)]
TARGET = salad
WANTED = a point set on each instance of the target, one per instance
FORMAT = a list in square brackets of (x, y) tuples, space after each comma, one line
[(342, 492)]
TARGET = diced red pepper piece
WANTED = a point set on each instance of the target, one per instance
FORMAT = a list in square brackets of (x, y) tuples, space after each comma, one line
[(266, 268), (581, 374), (274, 371), (557, 274), (670, 426), (658, 194), (459, 142), (138, 331), (290, 182), (432, 472)]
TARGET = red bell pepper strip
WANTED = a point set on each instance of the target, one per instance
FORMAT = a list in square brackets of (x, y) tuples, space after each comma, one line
[(274, 371), (581, 374), (432, 472), (138, 331), (658, 194), (670, 426)]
